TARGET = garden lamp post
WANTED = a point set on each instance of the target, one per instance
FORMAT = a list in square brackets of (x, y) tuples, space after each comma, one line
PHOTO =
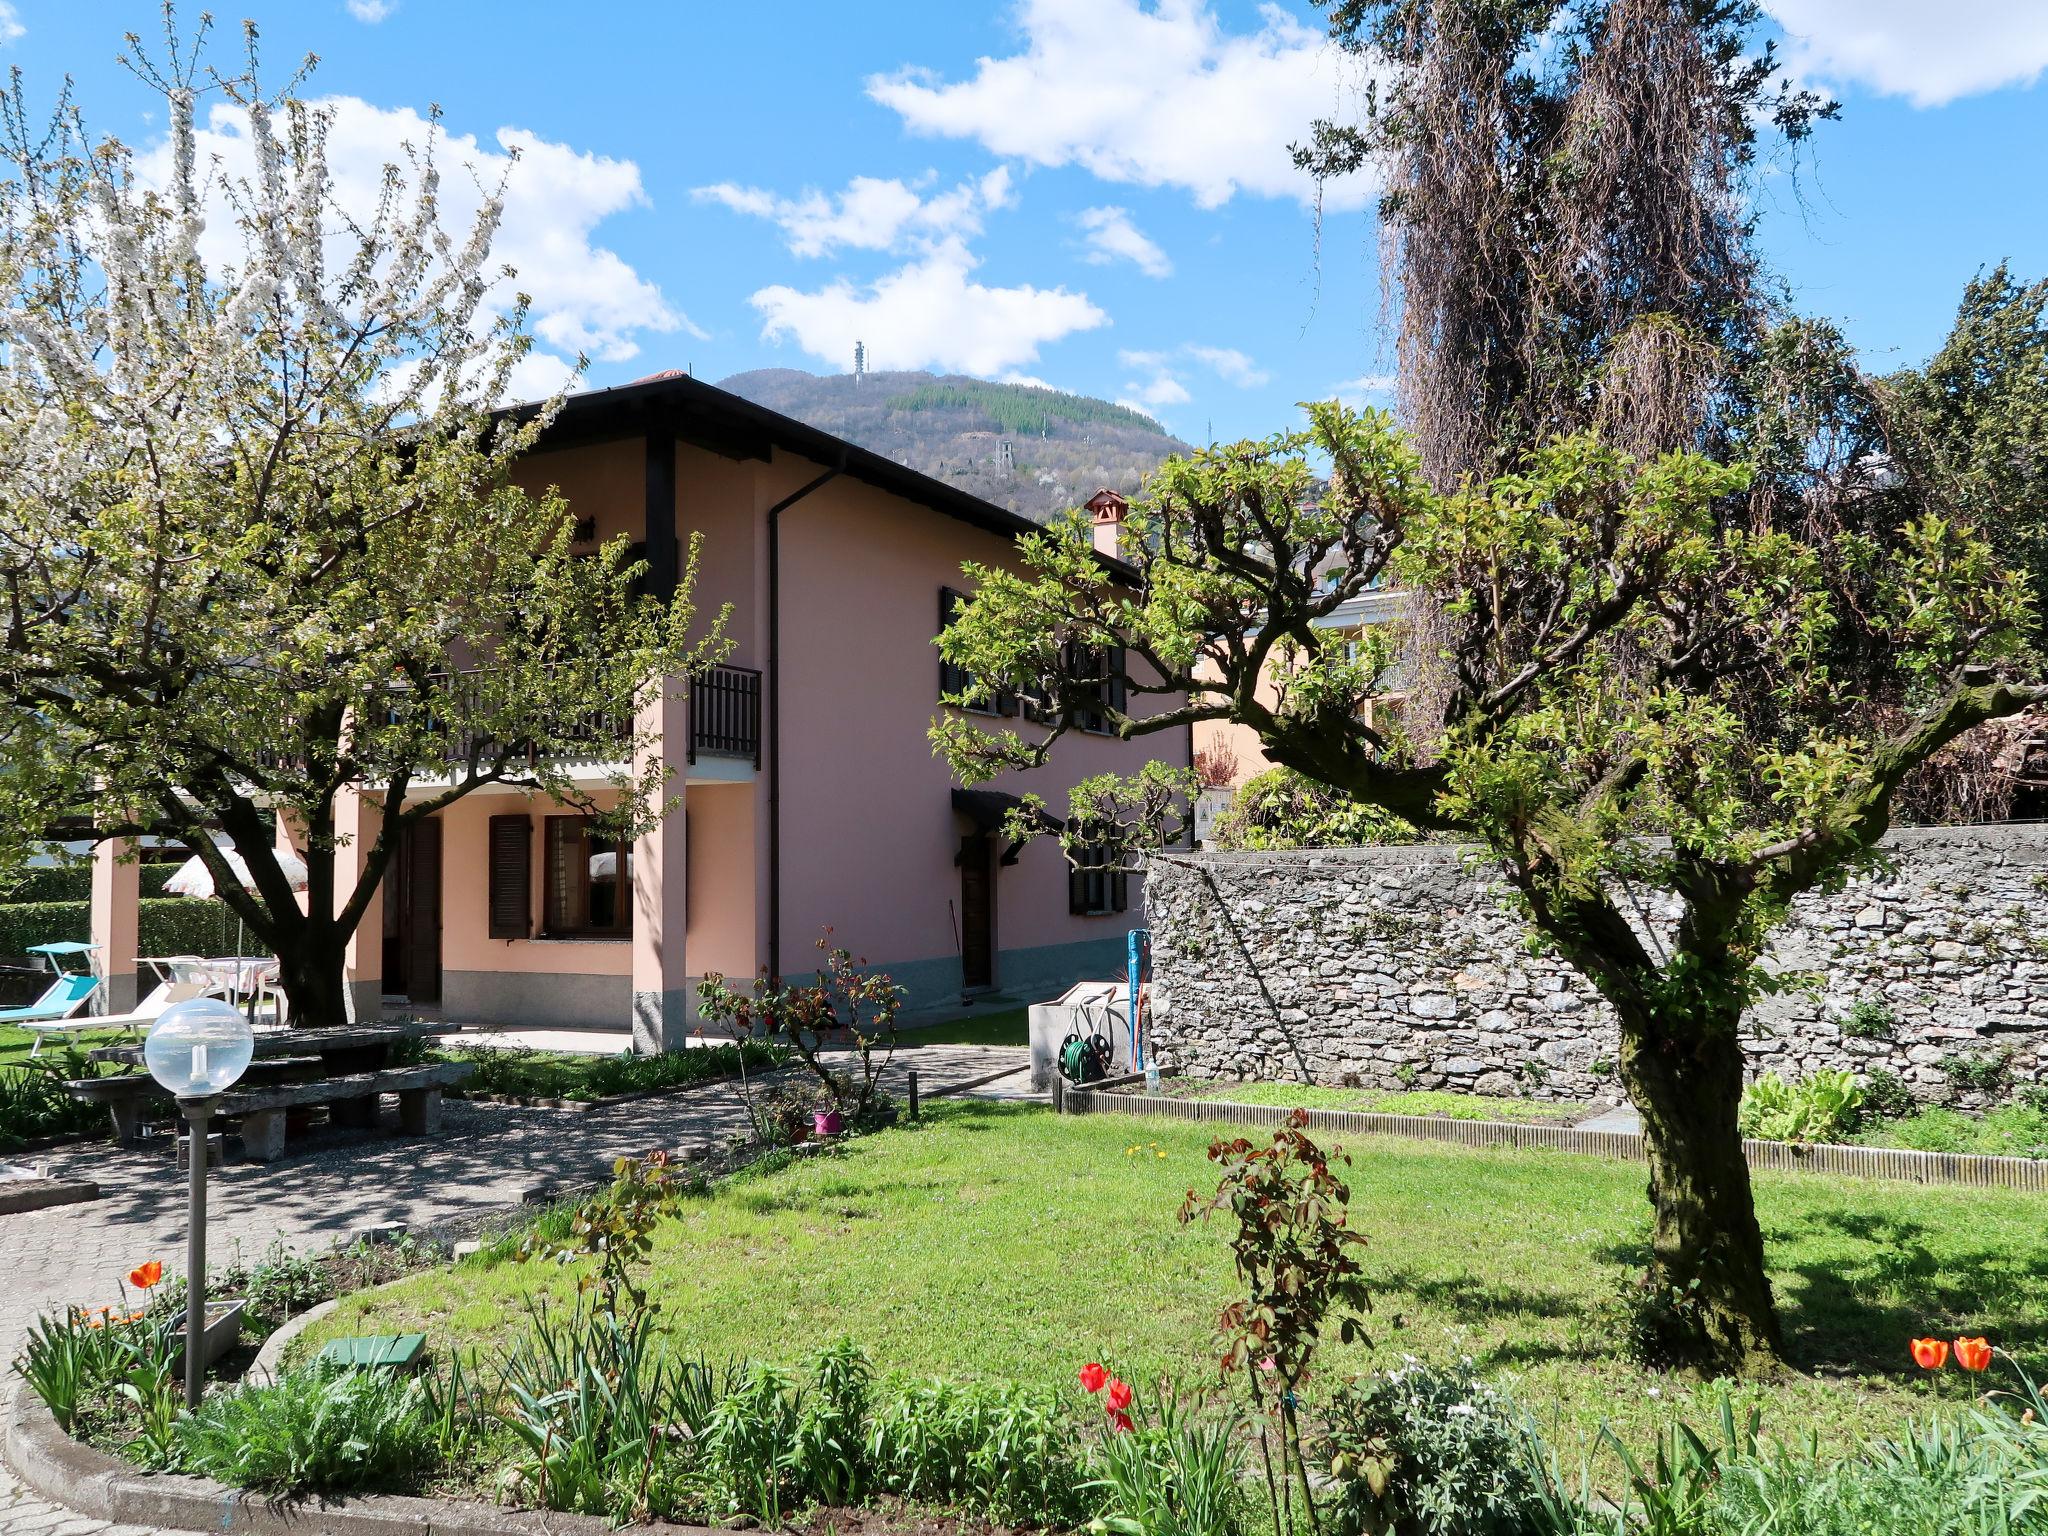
[(196, 1051)]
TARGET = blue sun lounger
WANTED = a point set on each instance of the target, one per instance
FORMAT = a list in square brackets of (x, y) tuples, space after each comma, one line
[(57, 1011)]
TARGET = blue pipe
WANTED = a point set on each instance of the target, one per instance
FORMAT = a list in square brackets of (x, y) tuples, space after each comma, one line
[(1136, 947)]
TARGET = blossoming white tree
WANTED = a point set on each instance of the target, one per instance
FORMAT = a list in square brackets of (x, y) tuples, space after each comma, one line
[(259, 545)]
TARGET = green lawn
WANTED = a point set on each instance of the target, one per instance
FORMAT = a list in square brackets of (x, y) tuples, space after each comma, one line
[(1451, 1106), (1012, 1026), (15, 1043), (998, 1240)]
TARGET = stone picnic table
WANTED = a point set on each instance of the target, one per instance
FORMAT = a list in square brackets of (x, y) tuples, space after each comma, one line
[(347, 1068)]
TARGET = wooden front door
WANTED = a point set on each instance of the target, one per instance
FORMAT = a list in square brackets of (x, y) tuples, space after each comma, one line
[(977, 911), (415, 930)]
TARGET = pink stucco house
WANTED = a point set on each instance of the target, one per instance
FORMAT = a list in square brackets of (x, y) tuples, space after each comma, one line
[(810, 796)]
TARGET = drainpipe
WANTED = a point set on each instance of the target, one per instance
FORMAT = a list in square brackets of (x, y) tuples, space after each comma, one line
[(775, 710)]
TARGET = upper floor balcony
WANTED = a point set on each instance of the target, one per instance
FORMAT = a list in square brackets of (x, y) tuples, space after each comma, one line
[(724, 737)]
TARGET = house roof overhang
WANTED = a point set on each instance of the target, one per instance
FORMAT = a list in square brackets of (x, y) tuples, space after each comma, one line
[(724, 423)]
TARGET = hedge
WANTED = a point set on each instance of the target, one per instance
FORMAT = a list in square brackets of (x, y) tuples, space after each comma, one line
[(168, 925), (73, 882)]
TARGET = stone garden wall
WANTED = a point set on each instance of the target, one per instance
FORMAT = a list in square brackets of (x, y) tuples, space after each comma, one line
[(1392, 967)]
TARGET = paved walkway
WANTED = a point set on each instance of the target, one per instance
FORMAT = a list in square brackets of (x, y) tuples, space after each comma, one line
[(484, 1160)]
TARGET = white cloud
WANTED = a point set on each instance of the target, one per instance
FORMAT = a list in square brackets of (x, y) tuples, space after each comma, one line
[(1159, 96), (585, 298), (1113, 237), (1167, 385), (869, 214), (10, 24), (371, 11), (1160, 389), (1229, 364), (1366, 389), (927, 314), (1930, 54)]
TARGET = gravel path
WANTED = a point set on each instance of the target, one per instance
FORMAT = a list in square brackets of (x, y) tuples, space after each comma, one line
[(485, 1158)]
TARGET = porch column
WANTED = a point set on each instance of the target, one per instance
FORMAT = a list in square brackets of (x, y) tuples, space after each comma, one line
[(357, 821), (116, 914), (661, 917)]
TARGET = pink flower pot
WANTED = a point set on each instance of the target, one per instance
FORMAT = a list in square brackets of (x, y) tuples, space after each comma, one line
[(826, 1122)]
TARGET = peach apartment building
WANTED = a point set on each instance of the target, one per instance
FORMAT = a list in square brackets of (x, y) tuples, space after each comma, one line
[(810, 797)]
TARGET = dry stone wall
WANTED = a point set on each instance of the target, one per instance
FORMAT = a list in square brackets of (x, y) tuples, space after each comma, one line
[(1405, 967)]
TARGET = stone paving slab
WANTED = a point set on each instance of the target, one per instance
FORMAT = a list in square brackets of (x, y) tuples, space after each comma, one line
[(484, 1159)]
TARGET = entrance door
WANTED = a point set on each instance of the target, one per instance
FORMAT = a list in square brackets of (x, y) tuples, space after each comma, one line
[(977, 911), (415, 931)]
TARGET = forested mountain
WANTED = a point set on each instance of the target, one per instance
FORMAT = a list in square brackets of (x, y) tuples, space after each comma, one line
[(1035, 451)]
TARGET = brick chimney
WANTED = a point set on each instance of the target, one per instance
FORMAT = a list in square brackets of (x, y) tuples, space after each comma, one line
[(1108, 509)]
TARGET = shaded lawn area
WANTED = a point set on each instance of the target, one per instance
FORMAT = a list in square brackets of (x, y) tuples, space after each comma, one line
[(1012, 1026), (16, 1043), (998, 1240), (1450, 1106)]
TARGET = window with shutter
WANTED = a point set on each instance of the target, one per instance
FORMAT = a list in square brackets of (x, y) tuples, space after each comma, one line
[(1096, 885), (589, 881), (511, 877)]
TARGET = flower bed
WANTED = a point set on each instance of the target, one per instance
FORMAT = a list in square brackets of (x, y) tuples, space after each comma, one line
[(583, 1409)]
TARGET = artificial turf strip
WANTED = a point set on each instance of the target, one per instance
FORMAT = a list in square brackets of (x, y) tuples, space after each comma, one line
[(1000, 1241)]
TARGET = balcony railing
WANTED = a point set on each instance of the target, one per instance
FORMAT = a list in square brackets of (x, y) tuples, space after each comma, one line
[(725, 714), (725, 721)]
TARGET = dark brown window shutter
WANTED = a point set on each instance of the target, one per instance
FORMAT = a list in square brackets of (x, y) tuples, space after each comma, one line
[(511, 876), (1119, 891), (1077, 889)]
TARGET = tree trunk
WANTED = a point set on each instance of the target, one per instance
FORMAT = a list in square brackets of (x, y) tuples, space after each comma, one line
[(311, 971), (1709, 1303)]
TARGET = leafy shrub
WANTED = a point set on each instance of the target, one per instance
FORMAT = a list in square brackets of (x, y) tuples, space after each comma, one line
[(2014, 1130), (1868, 1019), (1989, 1074), (1172, 1474), (277, 1287), (1428, 1451), (829, 1452), (521, 1072), (587, 1402), (318, 1430), (1886, 1096), (1000, 1450), (34, 1102), (171, 925), (73, 882), (746, 1444), (1823, 1107), (1281, 809)]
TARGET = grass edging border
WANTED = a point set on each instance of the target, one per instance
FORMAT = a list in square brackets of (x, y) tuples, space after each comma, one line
[(90, 1482), (1902, 1164)]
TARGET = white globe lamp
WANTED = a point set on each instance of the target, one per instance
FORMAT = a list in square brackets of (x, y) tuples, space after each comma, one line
[(199, 1048), (196, 1051)]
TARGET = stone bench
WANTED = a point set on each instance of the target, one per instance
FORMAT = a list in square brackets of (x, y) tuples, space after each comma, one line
[(262, 1110), (125, 1095), (419, 1091)]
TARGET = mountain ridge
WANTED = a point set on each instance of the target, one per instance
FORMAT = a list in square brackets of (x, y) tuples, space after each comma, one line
[(1032, 450)]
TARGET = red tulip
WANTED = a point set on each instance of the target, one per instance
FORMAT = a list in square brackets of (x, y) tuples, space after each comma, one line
[(1119, 1395), (143, 1276), (1092, 1377), (1119, 1421), (1973, 1354), (1930, 1354)]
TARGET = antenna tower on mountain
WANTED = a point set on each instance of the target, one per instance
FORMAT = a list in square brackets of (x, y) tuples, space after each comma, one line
[(860, 361)]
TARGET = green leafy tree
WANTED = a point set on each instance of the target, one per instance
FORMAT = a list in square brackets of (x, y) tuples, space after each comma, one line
[(260, 550), (1638, 707), (1971, 427), (1281, 809)]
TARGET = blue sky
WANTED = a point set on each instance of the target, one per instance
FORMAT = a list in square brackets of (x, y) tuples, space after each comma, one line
[(1091, 193)]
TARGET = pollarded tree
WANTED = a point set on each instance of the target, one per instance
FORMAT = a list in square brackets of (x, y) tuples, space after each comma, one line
[(1637, 698), (259, 546)]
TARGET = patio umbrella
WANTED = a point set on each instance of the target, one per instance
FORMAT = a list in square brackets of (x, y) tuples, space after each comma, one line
[(193, 878)]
